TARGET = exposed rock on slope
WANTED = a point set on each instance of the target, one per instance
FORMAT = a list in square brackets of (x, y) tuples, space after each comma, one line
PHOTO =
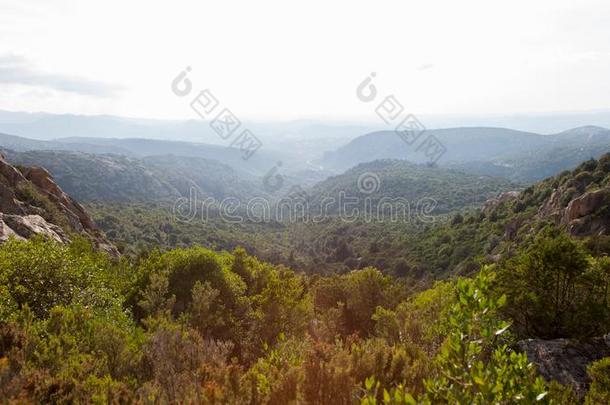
[(580, 214), (585, 214), (29, 225), (31, 204), (566, 360), (578, 201), (502, 198)]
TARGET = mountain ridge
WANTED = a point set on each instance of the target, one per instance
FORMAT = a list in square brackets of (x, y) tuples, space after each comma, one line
[(487, 146)]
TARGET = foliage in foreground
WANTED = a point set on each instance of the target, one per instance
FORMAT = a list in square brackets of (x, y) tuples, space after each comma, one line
[(474, 365), (197, 326)]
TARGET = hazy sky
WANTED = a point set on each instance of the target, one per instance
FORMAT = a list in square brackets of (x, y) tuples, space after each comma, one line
[(287, 59)]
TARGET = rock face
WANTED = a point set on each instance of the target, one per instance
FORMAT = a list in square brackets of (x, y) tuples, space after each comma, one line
[(580, 214), (566, 360), (28, 226), (584, 215), (31, 203)]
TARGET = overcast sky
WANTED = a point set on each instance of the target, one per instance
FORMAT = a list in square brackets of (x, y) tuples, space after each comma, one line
[(287, 59)]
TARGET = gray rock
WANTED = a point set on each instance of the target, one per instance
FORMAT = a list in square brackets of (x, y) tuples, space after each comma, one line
[(566, 360), (29, 195), (30, 225)]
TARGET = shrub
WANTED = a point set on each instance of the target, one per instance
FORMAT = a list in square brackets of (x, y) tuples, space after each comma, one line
[(474, 365), (599, 392), (41, 274), (556, 290)]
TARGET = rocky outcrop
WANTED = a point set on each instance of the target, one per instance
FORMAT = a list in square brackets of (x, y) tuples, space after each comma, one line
[(581, 215), (28, 226), (566, 360), (552, 208), (78, 217), (31, 203), (584, 215), (586, 204), (492, 203)]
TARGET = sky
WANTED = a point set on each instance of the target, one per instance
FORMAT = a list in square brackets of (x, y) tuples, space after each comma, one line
[(295, 60)]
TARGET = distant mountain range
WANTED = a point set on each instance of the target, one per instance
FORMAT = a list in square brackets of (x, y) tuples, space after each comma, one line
[(516, 155), (300, 138), (521, 157), (258, 164)]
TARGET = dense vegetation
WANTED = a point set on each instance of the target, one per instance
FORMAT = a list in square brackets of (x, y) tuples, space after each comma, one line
[(116, 178), (450, 190), (429, 246), (193, 325), (393, 313)]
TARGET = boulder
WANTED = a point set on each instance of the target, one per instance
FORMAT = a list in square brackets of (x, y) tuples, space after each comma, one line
[(586, 204), (583, 216), (566, 360), (30, 225)]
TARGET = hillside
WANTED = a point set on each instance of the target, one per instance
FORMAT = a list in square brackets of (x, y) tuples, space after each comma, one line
[(392, 178), (417, 193), (117, 178), (434, 242), (431, 247), (260, 162), (519, 156), (575, 201)]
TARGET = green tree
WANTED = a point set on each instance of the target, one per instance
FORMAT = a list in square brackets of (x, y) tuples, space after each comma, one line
[(556, 290)]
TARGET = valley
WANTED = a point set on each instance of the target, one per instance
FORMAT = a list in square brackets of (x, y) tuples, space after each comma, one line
[(304, 203), (359, 288)]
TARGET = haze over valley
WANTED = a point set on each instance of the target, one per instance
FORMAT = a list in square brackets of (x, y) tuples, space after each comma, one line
[(316, 203)]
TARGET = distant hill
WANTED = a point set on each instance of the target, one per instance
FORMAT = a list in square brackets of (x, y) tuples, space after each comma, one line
[(305, 139), (391, 178), (259, 163), (116, 178), (294, 170), (20, 144), (463, 144), (517, 155)]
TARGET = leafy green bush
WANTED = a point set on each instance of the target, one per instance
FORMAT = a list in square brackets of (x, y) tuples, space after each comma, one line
[(599, 392), (42, 274), (475, 365), (556, 290)]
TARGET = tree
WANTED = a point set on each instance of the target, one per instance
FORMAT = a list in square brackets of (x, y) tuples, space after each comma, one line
[(555, 289)]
